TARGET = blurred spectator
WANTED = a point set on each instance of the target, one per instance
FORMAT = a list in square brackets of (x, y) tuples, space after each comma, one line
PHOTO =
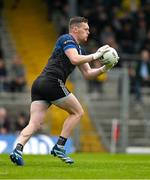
[(1, 10), (3, 77), (127, 37), (106, 34), (132, 79), (146, 43), (50, 9), (22, 121), (4, 121), (61, 15), (15, 4), (142, 73), (1, 51), (18, 80), (64, 19)]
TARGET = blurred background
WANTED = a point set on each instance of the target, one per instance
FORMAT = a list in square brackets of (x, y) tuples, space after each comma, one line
[(117, 115)]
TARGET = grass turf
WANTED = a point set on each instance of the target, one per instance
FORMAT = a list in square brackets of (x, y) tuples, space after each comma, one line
[(87, 166)]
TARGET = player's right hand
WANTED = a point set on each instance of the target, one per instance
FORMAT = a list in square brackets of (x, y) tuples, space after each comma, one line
[(103, 49), (100, 52)]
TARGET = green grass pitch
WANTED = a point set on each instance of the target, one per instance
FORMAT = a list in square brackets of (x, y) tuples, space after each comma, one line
[(86, 166)]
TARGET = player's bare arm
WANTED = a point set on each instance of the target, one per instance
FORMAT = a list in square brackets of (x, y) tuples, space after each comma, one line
[(91, 73), (76, 58)]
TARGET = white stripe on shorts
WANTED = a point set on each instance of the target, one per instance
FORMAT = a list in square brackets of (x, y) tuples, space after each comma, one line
[(66, 92)]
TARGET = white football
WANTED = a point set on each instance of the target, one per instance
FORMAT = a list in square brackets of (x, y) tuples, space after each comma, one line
[(110, 56)]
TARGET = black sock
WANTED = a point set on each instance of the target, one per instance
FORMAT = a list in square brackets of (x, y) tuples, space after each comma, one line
[(19, 147), (61, 141)]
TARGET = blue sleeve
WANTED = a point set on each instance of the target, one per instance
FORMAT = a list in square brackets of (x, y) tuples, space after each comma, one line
[(67, 42)]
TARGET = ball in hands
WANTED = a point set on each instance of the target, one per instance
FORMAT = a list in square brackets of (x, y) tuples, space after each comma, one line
[(110, 56)]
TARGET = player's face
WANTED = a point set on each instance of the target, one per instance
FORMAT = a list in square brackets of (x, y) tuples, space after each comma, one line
[(83, 32)]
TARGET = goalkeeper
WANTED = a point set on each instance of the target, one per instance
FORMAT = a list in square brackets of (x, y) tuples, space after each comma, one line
[(49, 87)]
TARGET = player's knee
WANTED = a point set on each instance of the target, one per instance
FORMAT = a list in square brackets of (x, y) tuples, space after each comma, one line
[(80, 114)]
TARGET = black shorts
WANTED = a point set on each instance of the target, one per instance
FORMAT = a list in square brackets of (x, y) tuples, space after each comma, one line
[(48, 90)]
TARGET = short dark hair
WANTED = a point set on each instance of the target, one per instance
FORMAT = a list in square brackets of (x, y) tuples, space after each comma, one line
[(77, 20)]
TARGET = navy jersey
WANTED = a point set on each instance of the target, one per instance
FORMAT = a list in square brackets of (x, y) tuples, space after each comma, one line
[(59, 65)]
